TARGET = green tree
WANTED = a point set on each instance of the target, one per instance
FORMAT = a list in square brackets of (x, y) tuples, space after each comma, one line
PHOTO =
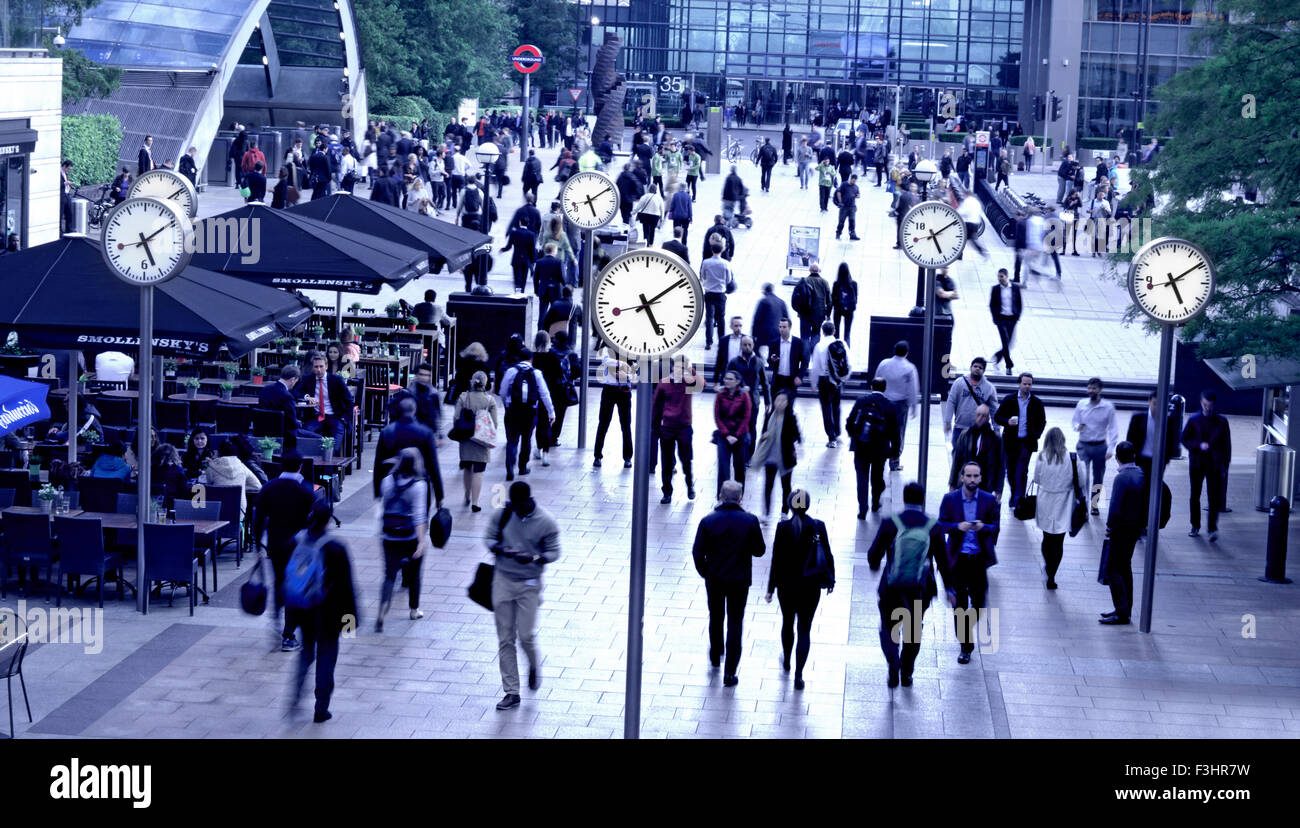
[(554, 27), (82, 77), (1232, 123)]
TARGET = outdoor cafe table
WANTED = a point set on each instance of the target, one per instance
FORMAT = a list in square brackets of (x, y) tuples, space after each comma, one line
[(126, 394), (242, 401), (115, 520), (183, 397)]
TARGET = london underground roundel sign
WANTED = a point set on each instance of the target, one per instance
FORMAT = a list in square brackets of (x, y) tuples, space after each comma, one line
[(527, 59)]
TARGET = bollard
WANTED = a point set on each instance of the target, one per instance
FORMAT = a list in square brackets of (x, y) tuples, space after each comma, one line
[(1279, 515)]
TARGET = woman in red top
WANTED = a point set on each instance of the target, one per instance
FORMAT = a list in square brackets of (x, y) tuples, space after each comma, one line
[(671, 418), (731, 412)]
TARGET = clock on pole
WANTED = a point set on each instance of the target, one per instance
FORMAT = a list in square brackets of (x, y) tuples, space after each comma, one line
[(588, 199), (167, 185), (1172, 281)]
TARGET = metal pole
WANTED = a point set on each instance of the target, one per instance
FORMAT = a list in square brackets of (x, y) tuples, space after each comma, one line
[(524, 126), (927, 365), (74, 377), (585, 276), (640, 520), (1157, 476), (144, 368), (338, 315), (1142, 84)]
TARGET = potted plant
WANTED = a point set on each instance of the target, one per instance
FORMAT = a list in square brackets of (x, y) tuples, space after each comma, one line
[(91, 437), (191, 387), (278, 342), (394, 310), (231, 370), (327, 448), (355, 307), (47, 495), (410, 323), (269, 447), (227, 389), (81, 383), (259, 374), (319, 332), (169, 367)]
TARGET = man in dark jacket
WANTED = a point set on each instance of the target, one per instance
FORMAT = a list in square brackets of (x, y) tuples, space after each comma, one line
[(1129, 496), (726, 541), (334, 406), (675, 246), (970, 517), (528, 215), (323, 625), (902, 607), (907, 199), (532, 175), (872, 428), (720, 229), (256, 184), (281, 513), (630, 189), (844, 164), (1023, 419), (1141, 433), (427, 402), (847, 199), (1006, 305), (788, 360), (766, 161), (145, 162), (548, 278), (188, 167), (319, 176), (811, 299), (767, 318), (979, 444), (522, 243), (1020, 242), (1208, 441), (403, 433), (753, 378), (733, 187), (280, 396), (1064, 177)]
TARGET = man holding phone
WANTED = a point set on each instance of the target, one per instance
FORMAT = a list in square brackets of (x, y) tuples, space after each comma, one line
[(969, 516)]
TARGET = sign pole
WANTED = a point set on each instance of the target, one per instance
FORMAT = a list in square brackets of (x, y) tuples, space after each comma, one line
[(927, 369), (640, 522), (1157, 477), (585, 275), (74, 377), (144, 367), (524, 126)]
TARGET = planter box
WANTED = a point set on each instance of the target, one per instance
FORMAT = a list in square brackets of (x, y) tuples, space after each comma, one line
[(191, 393), (257, 379)]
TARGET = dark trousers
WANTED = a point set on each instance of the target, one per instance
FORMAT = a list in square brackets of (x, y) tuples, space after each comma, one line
[(521, 279), (798, 605), (1017, 453), (765, 179), (965, 178), (847, 317), (648, 225), (850, 214), (279, 563), (331, 426), (726, 599), (679, 438), (320, 191), (780, 381), (1053, 548), (612, 397), (457, 183), (870, 469), (320, 643), (529, 187), (1119, 569), (439, 194), (394, 553), (880, 173), (65, 211), (690, 183), (810, 331), (971, 582), (1213, 479), (1006, 332), (715, 317), (731, 461), (902, 410), (828, 394), (769, 483), (520, 423), (560, 407), (823, 195), (905, 630), (625, 211), (685, 224), (1001, 181)]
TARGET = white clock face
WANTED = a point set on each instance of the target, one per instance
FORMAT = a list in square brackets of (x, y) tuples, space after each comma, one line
[(147, 240), (648, 303), (932, 234), (167, 185), (589, 199), (1171, 280)]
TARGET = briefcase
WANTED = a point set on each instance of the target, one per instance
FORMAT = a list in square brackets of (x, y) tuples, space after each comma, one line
[(440, 528), (1102, 578), (480, 591)]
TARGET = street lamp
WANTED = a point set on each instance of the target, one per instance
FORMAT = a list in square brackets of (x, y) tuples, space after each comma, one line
[(487, 153), (925, 172)]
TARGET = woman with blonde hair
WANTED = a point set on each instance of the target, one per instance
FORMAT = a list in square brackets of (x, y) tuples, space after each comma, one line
[(472, 359), (1054, 477), (474, 455)]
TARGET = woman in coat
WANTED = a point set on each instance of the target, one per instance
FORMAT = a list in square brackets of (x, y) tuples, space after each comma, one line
[(844, 301), (649, 211), (775, 452), (471, 360), (731, 409), (474, 456), (548, 363), (1054, 477), (226, 470), (798, 593)]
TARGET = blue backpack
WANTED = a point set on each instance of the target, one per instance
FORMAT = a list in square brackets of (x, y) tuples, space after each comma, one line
[(304, 577)]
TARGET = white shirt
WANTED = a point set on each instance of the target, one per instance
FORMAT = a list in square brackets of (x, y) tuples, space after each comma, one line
[(1034, 229), (1149, 446), (819, 366), (113, 366), (969, 210), (1098, 421), (733, 346), (783, 367), (459, 166), (900, 378), (1005, 293)]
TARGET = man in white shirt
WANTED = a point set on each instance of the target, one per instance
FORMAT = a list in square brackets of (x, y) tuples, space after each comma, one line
[(903, 390), (728, 349), (827, 380), (1095, 421), (113, 366), (971, 215), (717, 279), (787, 360)]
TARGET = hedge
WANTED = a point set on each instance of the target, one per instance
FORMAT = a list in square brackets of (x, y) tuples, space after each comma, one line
[(1099, 143), (91, 143), (437, 120)]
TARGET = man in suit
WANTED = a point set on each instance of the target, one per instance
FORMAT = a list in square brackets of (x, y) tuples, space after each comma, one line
[(144, 162), (407, 432), (548, 278), (726, 542), (630, 190), (1129, 497), (256, 184), (969, 516), (528, 215), (428, 403), (333, 407), (281, 513), (719, 228), (188, 167), (1208, 441), (523, 244), (1006, 305), (902, 608), (279, 396), (728, 349), (753, 378), (787, 360), (319, 175), (1142, 434), (768, 314), (979, 444), (811, 299), (872, 428), (387, 189), (1023, 419), (65, 195), (675, 246)]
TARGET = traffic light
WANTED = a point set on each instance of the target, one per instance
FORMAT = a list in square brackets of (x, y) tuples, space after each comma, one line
[(1056, 108), (1039, 114)]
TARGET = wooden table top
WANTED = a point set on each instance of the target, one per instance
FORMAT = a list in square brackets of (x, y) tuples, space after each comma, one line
[(126, 394), (117, 520), (238, 400), (196, 398)]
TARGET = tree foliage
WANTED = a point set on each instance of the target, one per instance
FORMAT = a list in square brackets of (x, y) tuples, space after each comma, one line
[(1232, 118), (554, 27), (84, 78), (90, 142)]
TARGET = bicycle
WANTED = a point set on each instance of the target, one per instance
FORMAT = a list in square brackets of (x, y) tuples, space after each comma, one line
[(733, 150), (753, 154), (99, 206)]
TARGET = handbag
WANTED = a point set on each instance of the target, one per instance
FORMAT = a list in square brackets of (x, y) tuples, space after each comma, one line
[(440, 528), (252, 595), (1102, 577), (480, 591), (817, 566), (571, 395), (1079, 515), (485, 431), (464, 427), (1027, 506)]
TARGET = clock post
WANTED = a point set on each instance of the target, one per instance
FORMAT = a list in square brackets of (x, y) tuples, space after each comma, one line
[(585, 275), (640, 527), (1157, 476)]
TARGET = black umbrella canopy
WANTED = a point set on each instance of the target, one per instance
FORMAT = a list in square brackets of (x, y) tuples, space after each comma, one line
[(288, 250), (447, 244), (63, 296)]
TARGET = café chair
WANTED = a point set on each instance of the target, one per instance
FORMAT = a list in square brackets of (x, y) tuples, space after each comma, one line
[(80, 542), (27, 544), (169, 558), (11, 664), (211, 510)]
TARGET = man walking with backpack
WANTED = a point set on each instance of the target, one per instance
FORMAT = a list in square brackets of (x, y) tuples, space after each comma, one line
[(873, 429), (828, 370), (333, 609), (282, 509), (811, 300), (909, 540), (766, 161), (523, 387)]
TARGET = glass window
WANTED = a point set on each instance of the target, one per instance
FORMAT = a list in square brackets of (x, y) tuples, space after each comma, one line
[(1104, 37), (1164, 40)]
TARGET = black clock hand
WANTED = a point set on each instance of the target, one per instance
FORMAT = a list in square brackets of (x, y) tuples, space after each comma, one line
[(658, 329), (591, 205), (934, 237), (1173, 284), (145, 242), (664, 292), (1189, 270)]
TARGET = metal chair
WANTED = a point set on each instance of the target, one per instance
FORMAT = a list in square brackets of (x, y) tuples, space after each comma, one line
[(114, 411), (20, 481), (80, 542), (309, 446), (169, 557), (211, 510), (204, 412), (99, 494), (11, 664), (229, 497), (268, 423), (27, 544), (172, 415)]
